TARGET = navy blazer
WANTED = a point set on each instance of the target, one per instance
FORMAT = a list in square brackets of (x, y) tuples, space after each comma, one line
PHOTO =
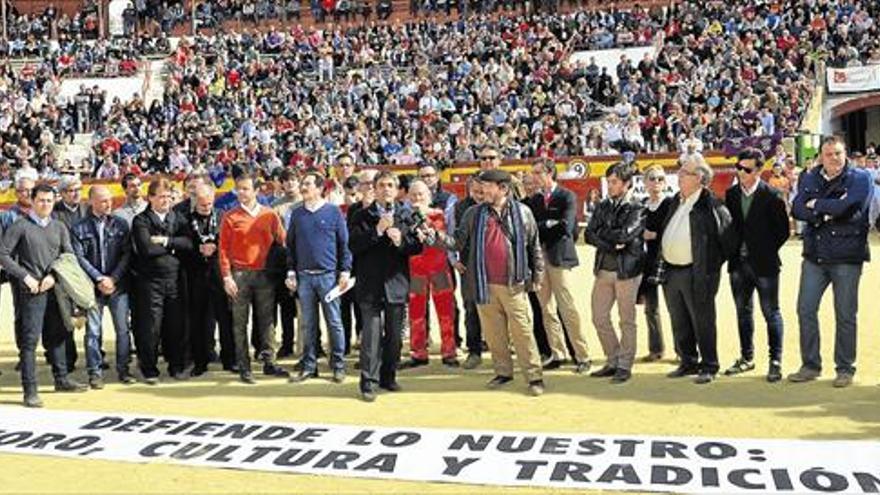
[(558, 240), (116, 247)]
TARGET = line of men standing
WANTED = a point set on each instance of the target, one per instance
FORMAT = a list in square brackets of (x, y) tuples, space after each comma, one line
[(176, 273)]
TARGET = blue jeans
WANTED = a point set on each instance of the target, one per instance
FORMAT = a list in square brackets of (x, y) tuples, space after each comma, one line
[(743, 283), (118, 304), (844, 280), (311, 289)]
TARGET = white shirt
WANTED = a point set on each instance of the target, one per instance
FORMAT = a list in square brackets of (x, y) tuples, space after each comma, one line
[(315, 206), (252, 212), (161, 215), (676, 243)]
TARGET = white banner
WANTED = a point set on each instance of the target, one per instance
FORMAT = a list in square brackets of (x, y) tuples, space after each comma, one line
[(853, 79), (606, 462)]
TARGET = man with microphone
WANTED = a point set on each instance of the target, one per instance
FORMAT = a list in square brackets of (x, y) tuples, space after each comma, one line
[(383, 239)]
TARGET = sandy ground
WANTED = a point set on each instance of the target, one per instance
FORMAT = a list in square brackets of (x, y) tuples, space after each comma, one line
[(744, 406)]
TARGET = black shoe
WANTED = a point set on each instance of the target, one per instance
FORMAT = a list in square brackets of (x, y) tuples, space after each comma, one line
[(604, 372), (682, 371), (284, 353), (368, 395), (69, 385), (247, 377), (582, 367), (621, 376), (32, 400), (391, 387), (536, 388), (774, 374), (96, 382), (303, 376), (451, 362), (338, 376), (198, 371), (274, 370), (552, 364), (499, 381), (412, 363), (125, 378), (740, 366), (704, 378)]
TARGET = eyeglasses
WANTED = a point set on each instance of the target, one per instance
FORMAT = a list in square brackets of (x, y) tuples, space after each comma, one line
[(747, 170), (488, 157)]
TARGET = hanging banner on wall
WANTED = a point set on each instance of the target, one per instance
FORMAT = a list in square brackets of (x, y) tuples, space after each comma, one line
[(606, 462), (853, 79)]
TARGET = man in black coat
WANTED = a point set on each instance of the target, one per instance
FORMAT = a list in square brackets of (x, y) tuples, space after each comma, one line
[(695, 241), (555, 211), (160, 236), (760, 222), (382, 238)]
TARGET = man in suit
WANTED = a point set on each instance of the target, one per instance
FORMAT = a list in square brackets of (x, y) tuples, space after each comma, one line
[(760, 222), (555, 213), (695, 241), (208, 306), (102, 243), (382, 241), (160, 236)]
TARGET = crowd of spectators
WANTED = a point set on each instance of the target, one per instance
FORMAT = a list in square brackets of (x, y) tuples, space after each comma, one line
[(440, 91)]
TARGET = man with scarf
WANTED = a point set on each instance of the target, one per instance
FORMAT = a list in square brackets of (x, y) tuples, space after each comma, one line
[(499, 240)]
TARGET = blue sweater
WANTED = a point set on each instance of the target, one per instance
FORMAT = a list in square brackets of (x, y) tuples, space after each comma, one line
[(318, 240)]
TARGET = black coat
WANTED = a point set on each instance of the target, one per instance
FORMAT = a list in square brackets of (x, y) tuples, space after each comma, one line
[(382, 269), (156, 260), (557, 241), (613, 224), (654, 223), (712, 239), (763, 231)]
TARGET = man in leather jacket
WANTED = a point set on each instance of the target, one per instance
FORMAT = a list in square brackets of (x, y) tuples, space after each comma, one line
[(616, 229), (695, 241)]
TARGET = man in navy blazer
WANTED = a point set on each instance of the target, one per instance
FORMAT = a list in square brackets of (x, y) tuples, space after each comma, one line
[(102, 244), (760, 222), (555, 213)]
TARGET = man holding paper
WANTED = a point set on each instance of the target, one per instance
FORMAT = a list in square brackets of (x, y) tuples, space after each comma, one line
[(318, 259)]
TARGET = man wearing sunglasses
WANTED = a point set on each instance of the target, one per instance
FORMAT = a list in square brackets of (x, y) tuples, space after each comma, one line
[(760, 222), (490, 159)]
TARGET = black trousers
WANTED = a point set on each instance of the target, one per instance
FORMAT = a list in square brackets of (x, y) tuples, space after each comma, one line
[(286, 302), (693, 319), (208, 309), (351, 318), (160, 318), (473, 331), (380, 343)]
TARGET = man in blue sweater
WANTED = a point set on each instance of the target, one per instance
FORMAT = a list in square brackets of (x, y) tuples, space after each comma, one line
[(318, 260), (832, 199)]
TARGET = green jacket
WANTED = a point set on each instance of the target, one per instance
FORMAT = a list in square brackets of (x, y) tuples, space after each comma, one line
[(73, 288)]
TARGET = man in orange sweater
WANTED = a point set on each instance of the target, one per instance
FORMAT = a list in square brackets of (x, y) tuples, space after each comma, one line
[(247, 234)]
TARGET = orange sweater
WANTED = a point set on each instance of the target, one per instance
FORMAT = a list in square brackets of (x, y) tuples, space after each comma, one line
[(245, 240)]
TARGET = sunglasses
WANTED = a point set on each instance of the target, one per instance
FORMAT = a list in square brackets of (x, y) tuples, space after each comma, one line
[(747, 170), (657, 178), (489, 157)]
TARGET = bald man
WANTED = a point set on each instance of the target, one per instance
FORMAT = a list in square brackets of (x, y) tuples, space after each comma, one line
[(208, 306), (102, 244)]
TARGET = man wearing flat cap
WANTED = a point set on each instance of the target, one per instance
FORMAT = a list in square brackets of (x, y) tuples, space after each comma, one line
[(498, 240)]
